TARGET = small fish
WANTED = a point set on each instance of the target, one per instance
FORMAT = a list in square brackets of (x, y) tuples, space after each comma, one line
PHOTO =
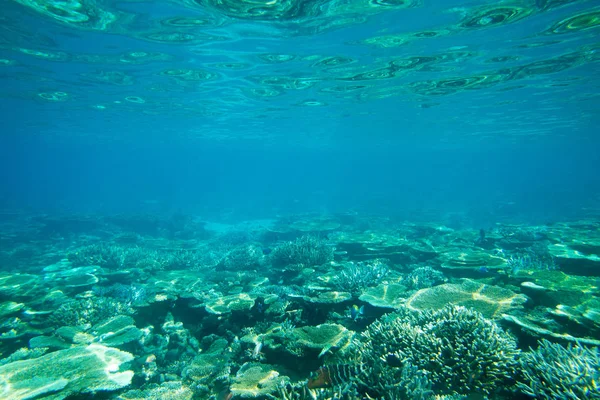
[(257, 351), (225, 394), (259, 305), (539, 236), (356, 312), (481, 239), (483, 270), (266, 250), (150, 359)]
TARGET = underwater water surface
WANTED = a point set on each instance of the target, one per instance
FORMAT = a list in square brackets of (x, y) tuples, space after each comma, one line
[(284, 199)]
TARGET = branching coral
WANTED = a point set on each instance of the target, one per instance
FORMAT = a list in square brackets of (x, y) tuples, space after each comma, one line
[(556, 372), (423, 277), (355, 277), (242, 258), (530, 261), (88, 311), (352, 380), (305, 251), (120, 257), (459, 350), (131, 295)]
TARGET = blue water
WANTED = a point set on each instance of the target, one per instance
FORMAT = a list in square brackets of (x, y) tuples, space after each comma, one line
[(209, 146)]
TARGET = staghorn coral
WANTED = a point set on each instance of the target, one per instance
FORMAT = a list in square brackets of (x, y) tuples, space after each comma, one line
[(553, 371), (209, 370), (117, 257), (351, 381), (106, 256), (300, 391), (458, 349), (165, 391), (242, 258), (306, 251), (423, 277), (355, 277), (530, 261), (132, 295), (88, 311)]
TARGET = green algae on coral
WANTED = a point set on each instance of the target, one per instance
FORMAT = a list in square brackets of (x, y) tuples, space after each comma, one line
[(536, 329), (17, 285), (385, 295), (558, 280), (491, 301), (165, 391), (578, 256), (227, 304), (331, 297), (324, 337), (116, 331), (255, 380), (10, 307), (74, 334), (471, 260), (551, 288), (586, 314), (50, 342), (64, 373)]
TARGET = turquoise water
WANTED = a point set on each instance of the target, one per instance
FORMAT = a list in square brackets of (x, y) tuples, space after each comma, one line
[(310, 106), (257, 194)]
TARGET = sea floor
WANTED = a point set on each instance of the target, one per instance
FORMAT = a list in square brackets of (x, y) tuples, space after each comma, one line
[(341, 306)]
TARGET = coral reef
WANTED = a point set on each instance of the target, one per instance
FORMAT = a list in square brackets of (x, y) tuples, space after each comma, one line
[(165, 391), (255, 380), (131, 295), (396, 311), (423, 277), (66, 372), (553, 371), (456, 349), (491, 301), (530, 261), (88, 311), (355, 277), (385, 295), (112, 256), (208, 372), (306, 251), (242, 258)]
